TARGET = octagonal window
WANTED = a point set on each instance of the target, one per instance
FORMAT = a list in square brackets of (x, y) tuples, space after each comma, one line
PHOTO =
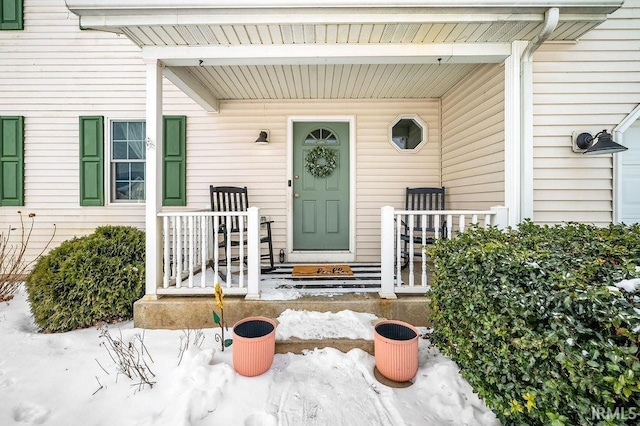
[(408, 133)]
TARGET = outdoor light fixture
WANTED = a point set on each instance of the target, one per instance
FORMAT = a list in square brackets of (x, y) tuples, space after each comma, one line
[(263, 139), (601, 143)]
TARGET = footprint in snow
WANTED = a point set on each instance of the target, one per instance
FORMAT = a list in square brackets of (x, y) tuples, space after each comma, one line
[(261, 419), (8, 382), (29, 412)]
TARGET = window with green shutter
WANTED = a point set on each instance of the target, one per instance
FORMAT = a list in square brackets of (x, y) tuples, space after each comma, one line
[(11, 161), (126, 161), (92, 161), (11, 15), (174, 167)]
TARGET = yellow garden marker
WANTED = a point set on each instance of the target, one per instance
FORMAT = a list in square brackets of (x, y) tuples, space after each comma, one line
[(218, 296)]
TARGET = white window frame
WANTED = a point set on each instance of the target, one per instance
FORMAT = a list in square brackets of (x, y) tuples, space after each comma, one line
[(109, 178), (419, 122)]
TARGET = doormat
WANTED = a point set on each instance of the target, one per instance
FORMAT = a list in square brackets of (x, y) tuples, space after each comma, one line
[(321, 270)]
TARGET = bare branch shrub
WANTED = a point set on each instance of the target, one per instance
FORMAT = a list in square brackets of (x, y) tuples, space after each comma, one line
[(190, 338), (130, 357), (13, 266)]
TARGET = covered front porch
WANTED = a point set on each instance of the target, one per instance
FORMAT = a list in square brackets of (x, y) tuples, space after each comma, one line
[(193, 262)]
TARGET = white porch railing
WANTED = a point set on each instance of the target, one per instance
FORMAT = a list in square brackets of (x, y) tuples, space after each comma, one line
[(393, 222), (192, 262)]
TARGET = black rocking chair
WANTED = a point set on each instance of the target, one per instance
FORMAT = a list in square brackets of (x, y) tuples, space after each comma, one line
[(236, 199), (425, 198)]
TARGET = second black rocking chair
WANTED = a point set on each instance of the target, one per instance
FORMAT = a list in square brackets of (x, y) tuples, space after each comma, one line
[(236, 199), (424, 198)]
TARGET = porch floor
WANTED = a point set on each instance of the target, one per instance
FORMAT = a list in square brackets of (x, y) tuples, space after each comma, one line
[(280, 284)]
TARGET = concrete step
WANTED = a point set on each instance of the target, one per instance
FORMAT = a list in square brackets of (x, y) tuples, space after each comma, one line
[(172, 312)]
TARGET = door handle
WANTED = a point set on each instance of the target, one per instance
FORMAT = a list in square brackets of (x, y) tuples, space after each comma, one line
[(296, 195)]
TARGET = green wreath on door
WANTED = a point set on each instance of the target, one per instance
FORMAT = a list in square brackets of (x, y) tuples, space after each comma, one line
[(316, 167)]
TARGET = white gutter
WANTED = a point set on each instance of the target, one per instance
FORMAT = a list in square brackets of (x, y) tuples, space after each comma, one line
[(552, 17), (92, 7), (172, 4), (112, 15)]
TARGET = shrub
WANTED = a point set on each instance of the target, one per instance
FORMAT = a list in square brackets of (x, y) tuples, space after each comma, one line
[(535, 322), (88, 280), (13, 253)]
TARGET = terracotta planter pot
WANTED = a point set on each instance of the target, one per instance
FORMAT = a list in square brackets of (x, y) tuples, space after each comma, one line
[(254, 345), (395, 346)]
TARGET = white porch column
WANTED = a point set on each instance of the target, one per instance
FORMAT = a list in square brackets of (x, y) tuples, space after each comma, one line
[(512, 142), (253, 253), (526, 196), (387, 255), (153, 178), (501, 217)]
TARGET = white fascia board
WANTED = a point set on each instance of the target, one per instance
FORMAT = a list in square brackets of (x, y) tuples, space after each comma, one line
[(294, 18), (344, 17), (192, 87), (99, 14), (329, 54), (87, 7)]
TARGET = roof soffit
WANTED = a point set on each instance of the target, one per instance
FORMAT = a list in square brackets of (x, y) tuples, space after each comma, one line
[(197, 22)]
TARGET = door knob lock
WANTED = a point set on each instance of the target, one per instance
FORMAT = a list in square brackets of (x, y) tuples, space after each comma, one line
[(296, 195)]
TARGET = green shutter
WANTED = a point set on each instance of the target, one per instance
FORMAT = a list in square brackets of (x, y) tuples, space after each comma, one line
[(11, 15), (92, 161), (11, 161), (174, 161)]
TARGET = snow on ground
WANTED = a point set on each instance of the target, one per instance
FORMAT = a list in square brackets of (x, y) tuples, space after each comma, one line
[(69, 379)]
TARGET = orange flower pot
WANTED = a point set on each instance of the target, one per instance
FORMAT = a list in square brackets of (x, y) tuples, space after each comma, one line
[(395, 346), (254, 345)]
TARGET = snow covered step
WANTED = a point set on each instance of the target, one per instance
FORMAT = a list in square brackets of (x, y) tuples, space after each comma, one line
[(298, 346), (299, 331)]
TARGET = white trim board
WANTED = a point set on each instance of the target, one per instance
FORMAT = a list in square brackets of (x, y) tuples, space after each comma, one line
[(618, 136)]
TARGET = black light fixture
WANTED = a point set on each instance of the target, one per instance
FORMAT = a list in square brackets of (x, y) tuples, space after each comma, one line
[(604, 144), (263, 138)]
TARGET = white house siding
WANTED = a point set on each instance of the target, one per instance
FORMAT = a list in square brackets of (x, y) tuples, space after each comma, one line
[(51, 73), (473, 140), (221, 151), (591, 85)]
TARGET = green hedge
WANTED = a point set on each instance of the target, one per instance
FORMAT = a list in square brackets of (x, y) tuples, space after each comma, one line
[(535, 322), (88, 280)]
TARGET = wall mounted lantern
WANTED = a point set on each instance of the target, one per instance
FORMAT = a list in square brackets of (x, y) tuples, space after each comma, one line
[(601, 143), (263, 138)]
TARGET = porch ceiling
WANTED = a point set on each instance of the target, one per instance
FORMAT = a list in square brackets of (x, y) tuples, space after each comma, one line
[(336, 49)]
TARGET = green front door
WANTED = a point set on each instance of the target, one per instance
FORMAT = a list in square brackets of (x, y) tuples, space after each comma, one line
[(321, 203)]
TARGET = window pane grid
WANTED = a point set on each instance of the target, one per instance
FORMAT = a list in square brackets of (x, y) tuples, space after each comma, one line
[(128, 160), (321, 136)]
